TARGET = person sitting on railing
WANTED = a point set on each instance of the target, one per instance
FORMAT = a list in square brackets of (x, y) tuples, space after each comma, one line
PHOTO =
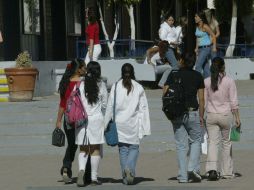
[(156, 57)]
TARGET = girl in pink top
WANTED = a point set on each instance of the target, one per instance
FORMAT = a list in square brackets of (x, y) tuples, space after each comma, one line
[(221, 107)]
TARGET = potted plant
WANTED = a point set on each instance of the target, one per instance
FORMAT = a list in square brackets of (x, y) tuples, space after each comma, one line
[(21, 79)]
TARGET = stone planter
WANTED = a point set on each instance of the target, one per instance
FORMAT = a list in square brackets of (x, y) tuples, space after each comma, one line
[(21, 83)]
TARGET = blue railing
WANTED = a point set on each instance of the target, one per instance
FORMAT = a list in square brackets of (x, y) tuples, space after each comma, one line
[(122, 49), (241, 50)]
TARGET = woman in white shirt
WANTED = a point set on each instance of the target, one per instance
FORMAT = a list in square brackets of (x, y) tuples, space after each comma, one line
[(94, 97), (131, 117)]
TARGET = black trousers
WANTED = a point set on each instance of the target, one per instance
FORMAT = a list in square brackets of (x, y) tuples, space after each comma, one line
[(70, 154)]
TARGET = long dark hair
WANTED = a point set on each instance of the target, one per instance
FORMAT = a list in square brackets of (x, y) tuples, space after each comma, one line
[(92, 78), (127, 75), (217, 72), (70, 70), (202, 16), (92, 15)]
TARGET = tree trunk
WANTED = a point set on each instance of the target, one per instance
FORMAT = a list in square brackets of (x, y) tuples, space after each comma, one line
[(132, 24), (231, 47), (112, 43)]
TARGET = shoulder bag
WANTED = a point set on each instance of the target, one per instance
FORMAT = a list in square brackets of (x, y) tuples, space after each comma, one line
[(111, 135)]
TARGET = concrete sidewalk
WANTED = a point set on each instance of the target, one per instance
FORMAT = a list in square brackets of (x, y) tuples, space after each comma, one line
[(29, 161)]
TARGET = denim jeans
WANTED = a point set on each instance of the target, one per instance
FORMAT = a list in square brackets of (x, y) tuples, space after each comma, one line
[(187, 131), (170, 55), (202, 62), (164, 77), (128, 154)]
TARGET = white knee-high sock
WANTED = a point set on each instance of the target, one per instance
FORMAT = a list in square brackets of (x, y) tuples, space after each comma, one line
[(95, 160), (82, 159)]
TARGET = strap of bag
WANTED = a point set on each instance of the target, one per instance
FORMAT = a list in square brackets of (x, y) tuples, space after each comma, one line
[(114, 105)]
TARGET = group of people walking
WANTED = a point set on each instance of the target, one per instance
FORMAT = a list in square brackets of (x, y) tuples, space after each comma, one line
[(210, 99), (131, 116)]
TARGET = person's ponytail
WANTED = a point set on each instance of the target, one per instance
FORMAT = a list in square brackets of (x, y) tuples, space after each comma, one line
[(127, 76), (92, 78), (217, 72)]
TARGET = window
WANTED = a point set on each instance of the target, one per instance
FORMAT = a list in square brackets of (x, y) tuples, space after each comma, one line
[(73, 16), (31, 16)]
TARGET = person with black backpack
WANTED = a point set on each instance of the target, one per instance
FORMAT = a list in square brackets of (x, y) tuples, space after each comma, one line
[(183, 104)]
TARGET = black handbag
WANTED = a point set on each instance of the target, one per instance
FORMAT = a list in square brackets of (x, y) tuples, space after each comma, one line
[(110, 133), (58, 137)]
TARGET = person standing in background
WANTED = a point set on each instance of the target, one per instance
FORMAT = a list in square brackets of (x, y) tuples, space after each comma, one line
[(203, 44), (181, 30), (214, 25), (92, 38)]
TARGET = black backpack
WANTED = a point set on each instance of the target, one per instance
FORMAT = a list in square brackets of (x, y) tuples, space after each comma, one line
[(173, 102)]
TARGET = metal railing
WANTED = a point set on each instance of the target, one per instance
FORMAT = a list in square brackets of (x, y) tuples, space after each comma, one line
[(122, 49), (240, 50)]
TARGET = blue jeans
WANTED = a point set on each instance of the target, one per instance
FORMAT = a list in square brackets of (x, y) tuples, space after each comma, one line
[(128, 154), (187, 131), (170, 55), (202, 62)]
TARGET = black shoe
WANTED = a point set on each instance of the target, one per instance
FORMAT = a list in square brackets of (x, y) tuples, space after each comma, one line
[(194, 177), (213, 175), (96, 182)]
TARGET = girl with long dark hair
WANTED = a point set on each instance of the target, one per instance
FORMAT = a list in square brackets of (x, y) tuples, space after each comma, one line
[(222, 107), (204, 44), (91, 137), (72, 75), (131, 117)]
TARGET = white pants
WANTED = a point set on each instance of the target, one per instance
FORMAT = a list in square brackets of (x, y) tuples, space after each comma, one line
[(218, 128), (96, 53)]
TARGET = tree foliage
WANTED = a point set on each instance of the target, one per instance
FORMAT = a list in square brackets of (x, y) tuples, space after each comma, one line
[(224, 8)]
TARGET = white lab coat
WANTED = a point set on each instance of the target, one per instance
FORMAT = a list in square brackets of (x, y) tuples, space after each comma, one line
[(95, 112), (132, 113)]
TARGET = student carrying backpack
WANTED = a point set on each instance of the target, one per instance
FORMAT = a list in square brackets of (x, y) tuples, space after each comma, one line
[(184, 92), (72, 75), (173, 101)]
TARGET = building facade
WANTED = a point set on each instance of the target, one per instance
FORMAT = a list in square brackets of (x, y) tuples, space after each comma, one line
[(49, 29)]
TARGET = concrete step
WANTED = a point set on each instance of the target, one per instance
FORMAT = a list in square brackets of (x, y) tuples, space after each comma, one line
[(4, 90), (3, 81)]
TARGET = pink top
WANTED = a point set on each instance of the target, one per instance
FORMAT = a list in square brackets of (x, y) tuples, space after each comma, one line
[(224, 99)]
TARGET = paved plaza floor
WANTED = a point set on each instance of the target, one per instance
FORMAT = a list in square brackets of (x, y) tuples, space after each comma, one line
[(29, 161)]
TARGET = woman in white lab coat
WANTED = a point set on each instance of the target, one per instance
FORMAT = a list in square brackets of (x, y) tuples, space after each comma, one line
[(132, 119), (94, 97)]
